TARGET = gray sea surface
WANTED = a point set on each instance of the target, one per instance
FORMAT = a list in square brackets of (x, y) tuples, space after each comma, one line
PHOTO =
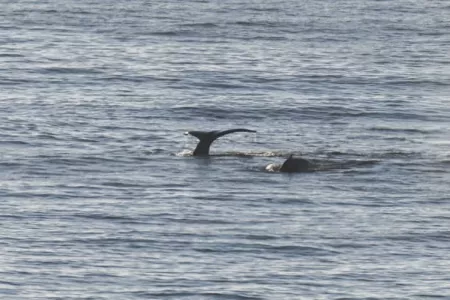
[(101, 197)]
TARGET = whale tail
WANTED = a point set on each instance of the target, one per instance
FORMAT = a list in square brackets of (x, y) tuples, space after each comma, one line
[(293, 164), (206, 138)]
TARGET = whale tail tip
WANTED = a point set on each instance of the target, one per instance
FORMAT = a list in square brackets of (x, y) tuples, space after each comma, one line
[(206, 138)]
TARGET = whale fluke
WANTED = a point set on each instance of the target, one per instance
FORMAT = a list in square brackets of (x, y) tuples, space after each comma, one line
[(206, 138), (293, 164)]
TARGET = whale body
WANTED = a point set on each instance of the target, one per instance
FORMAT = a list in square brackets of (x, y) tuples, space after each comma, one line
[(295, 164), (291, 165)]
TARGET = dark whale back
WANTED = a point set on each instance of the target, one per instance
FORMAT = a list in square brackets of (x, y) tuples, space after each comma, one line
[(293, 164)]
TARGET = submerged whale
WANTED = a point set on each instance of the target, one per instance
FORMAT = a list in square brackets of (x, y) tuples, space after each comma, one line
[(206, 138), (291, 165)]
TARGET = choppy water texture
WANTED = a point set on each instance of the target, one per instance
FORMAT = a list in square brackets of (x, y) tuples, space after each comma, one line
[(100, 198)]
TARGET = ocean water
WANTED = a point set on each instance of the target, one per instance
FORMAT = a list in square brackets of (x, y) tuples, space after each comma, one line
[(102, 199)]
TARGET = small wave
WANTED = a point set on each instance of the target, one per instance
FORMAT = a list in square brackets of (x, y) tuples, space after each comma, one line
[(303, 250), (9, 27), (3, 282), (71, 70), (199, 295), (265, 38), (257, 237), (117, 184), (169, 33), (198, 221), (15, 81), (256, 23), (442, 236), (392, 154), (418, 82), (203, 25), (104, 241), (445, 162), (101, 216), (137, 79), (238, 154), (200, 111), (7, 164), (252, 154), (217, 85), (10, 54), (21, 143), (84, 160), (265, 9), (334, 165), (401, 130), (265, 248), (49, 136), (428, 296), (311, 112), (349, 245), (185, 153), (14, 217)]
